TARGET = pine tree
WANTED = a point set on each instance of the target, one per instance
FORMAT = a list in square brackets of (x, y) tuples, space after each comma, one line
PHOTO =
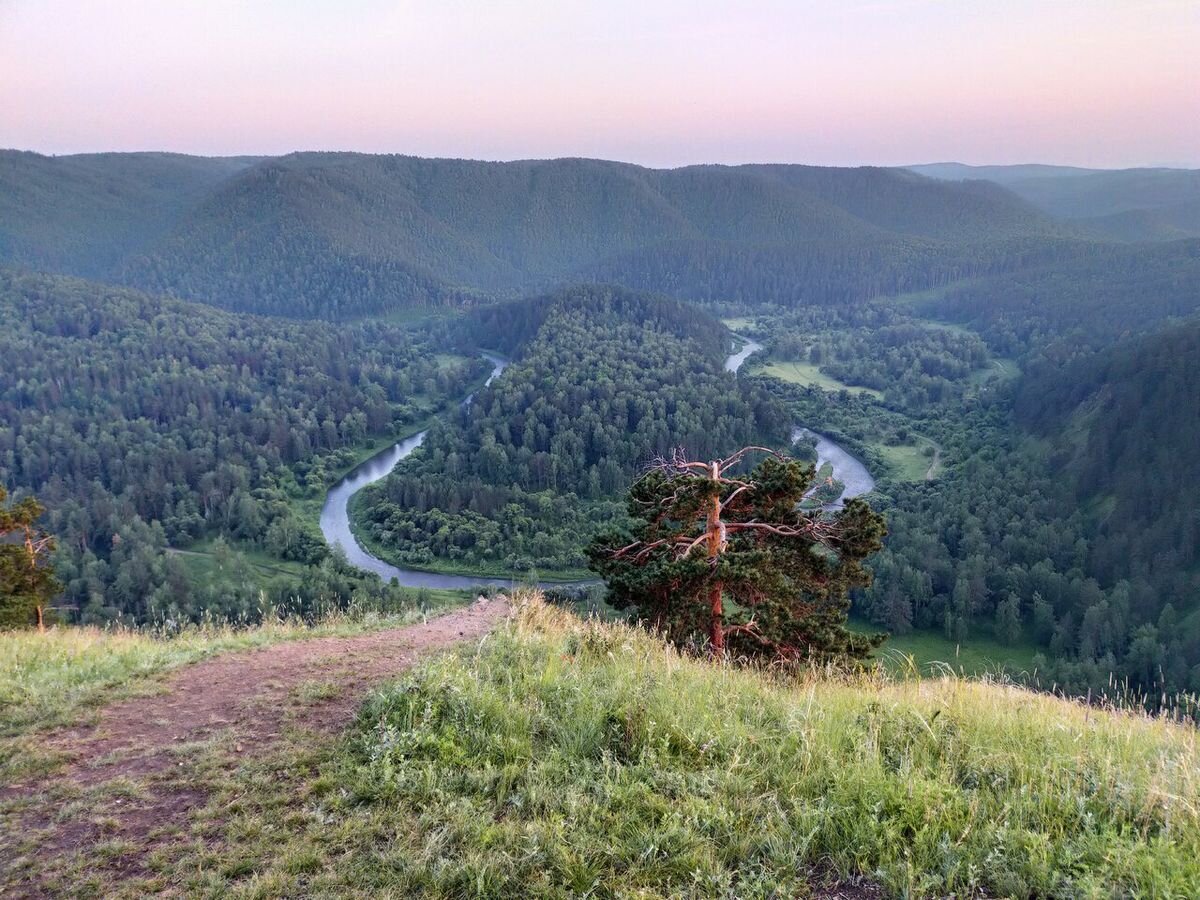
[(735, 560)]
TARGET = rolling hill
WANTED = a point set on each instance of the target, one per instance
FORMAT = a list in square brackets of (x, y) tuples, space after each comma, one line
[(336, 235), (83, 215), (1121, 204)]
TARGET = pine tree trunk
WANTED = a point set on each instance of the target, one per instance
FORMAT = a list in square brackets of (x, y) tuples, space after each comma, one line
[(717, 621), (717, 628)]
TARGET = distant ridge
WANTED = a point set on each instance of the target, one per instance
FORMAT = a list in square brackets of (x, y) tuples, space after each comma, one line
[(343, 234), (1149, 204)]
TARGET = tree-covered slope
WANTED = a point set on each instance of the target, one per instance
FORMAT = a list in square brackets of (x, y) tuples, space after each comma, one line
[(606, 379), (1127, 422), (424, 231), (1162, 223), (1089, 297), (84, 215), (142, 422), (337, 235), (1120, 204)]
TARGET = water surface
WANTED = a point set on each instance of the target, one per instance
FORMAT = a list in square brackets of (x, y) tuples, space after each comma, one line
[(335, 518)]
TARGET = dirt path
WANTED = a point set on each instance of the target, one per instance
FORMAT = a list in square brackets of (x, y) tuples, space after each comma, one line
[(132, 760)]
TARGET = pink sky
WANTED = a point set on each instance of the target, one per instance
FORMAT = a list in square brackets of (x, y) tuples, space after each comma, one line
[(660, 82)]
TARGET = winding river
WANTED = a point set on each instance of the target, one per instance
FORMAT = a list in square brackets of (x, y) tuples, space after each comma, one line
[(335, 517)]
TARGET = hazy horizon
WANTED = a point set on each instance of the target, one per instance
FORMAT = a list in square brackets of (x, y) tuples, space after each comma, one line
[(515, 159), (881, 82)]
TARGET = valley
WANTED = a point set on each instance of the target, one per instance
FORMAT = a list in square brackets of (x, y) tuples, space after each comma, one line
[(935, 358), (599, 450)]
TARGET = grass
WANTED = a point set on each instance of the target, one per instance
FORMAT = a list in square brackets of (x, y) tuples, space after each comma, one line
[(566, 756), (560, 757), (803, 373), (202, 566), (999, 368), (909, 462), (740, 323), (929, 653), (51, 679)]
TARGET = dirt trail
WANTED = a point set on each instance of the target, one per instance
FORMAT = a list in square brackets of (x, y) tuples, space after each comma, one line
[(241, 697)]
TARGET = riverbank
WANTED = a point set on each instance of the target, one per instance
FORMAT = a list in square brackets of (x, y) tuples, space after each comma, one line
[(339, 528)]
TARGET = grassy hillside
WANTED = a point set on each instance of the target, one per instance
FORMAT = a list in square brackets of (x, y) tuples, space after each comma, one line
[(63, 676), (559, 757), (598, 755), (1126, 422)]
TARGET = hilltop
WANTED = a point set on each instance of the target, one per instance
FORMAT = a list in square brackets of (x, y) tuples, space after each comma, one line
[(558, 756)]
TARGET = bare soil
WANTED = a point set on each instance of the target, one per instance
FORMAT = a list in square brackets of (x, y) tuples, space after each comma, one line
[(137, 747), (134, 767)]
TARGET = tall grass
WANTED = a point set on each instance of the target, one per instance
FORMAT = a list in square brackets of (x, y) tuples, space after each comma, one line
[(568, 757)]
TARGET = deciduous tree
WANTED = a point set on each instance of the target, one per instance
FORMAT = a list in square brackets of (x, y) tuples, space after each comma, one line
[(27, 582)]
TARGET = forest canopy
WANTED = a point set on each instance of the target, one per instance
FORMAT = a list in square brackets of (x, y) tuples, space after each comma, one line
[(144, 423), (608, 379)]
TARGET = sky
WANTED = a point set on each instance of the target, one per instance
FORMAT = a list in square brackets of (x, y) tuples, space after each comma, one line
[(1104, 83)]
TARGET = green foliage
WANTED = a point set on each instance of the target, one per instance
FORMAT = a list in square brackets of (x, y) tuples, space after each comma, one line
[(144, 423), (521, 478), (737, 559), (27, 582)]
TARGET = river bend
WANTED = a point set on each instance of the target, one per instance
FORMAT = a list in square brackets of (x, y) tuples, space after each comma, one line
[(335, 516)]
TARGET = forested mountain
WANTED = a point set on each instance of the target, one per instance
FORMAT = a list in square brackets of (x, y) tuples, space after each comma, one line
[(85, 215), (607, 379), (1003, 175), (1122, 204), (1127, 425), (1162, 223), (1088, 298), (142, 422), (338, 235), (384, 231)]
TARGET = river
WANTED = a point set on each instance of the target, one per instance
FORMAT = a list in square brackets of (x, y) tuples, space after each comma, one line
[(335, 517), (748, 349), (846, 469)]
